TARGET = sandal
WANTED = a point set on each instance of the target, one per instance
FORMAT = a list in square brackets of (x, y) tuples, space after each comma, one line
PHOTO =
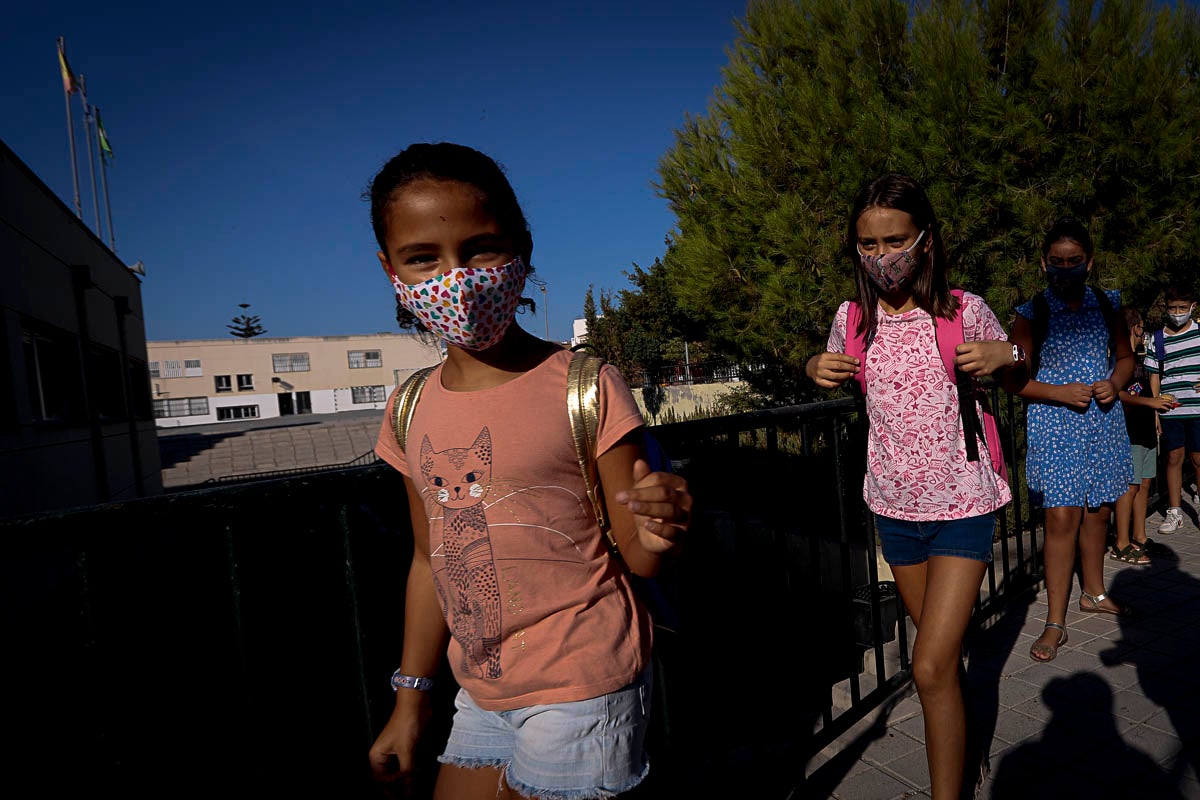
[(1047, 652), (1130, 554), (1090, 604)]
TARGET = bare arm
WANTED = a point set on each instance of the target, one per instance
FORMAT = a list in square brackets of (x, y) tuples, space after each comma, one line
[(1074, 395), (1106, 391), (425, 640), (649, 511)]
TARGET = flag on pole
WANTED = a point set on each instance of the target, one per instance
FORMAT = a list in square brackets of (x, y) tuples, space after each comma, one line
[(70, 86), (105, 148)]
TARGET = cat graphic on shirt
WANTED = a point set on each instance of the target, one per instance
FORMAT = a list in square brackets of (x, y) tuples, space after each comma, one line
[(458, 480)]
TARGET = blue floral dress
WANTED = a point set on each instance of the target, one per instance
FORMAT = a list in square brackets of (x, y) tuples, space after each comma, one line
[(1075, 458)]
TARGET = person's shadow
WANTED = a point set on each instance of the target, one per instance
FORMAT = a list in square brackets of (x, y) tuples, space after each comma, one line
[(1163, 643), (1080, 753)]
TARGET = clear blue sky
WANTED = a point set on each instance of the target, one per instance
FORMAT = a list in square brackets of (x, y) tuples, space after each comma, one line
[(244, 134)]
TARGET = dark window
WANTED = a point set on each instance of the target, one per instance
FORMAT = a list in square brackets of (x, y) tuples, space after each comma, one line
[(223, 383), (245, 383), (52, 375)]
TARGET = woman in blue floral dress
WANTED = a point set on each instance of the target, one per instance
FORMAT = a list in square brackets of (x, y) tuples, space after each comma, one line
[(1077, 450)]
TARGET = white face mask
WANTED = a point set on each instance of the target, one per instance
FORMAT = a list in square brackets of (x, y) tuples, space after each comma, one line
[(1179, 320)]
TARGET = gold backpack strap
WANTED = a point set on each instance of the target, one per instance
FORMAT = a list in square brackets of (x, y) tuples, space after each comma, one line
[(406, 404), (583, 408)]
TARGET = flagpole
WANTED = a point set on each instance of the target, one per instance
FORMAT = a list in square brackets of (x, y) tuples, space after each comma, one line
[(89, 131), (112, 238), (105, 153), (67, 87)]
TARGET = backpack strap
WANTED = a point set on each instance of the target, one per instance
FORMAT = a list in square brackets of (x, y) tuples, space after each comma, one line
[(406, 404), (583, 410), (949, 336), (1160, 349), (856, 343), (1040, 325)]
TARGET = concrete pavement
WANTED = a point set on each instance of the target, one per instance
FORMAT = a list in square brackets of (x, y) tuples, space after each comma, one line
[(195, 454)]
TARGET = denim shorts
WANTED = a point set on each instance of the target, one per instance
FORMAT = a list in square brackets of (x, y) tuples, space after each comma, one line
[(1145, 463), (907, 543), (1177, 433), (560, 751)]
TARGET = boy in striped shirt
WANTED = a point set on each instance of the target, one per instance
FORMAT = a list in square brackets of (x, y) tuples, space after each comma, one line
[(1173, 362)]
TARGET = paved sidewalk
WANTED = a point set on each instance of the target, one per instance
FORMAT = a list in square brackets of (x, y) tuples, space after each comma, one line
[(195, 454), (1115, 715)]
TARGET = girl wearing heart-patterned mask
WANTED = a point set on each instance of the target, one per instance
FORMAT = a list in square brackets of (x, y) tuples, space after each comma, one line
[(511, 574), (934, 480)]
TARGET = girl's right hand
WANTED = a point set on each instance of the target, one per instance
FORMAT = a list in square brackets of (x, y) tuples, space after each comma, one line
[(392, 756), (831, 370), (1075, 395)]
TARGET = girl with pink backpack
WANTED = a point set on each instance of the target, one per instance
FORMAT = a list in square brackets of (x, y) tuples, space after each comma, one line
[(935, 469)]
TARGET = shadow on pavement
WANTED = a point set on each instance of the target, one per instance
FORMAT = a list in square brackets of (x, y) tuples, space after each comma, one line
[(1081, 753)]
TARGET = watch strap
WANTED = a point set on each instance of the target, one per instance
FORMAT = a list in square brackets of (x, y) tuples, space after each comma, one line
[(402, 681)]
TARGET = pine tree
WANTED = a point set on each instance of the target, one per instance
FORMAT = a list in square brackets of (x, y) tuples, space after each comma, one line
[(245, 326), (1010, 112)]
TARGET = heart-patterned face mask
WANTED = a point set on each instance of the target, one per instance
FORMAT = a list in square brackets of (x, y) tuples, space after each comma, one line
[(470, 307), (892, 271)]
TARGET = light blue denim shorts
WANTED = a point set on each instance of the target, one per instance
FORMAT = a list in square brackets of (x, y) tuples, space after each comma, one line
[(560, 751), (906, 543)]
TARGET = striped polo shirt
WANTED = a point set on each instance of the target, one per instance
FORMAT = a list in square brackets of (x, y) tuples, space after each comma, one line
[(1180, 370)]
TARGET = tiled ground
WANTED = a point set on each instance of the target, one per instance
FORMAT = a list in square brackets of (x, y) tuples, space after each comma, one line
[(1116, 715)]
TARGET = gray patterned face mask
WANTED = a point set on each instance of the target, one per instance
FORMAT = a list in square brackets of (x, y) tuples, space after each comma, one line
[(891, 271), (1179, 320)]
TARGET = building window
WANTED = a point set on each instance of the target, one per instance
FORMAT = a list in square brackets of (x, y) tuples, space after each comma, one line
[(172, 369), (368, 394), (223, 383), (52, 375), (154, 370), (181, 407), (360, 359), (237, 412), (289, 362), (191, 368), (245, 383)]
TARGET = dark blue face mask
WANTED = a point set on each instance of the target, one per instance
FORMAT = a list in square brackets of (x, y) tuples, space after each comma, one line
[(1067, 281)]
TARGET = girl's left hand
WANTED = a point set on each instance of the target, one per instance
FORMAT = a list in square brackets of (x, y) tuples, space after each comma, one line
[(983, 358), (1104, 392), (661, 506)]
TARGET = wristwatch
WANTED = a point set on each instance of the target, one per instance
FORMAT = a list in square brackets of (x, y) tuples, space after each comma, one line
[(402, 681), (1018, 354)]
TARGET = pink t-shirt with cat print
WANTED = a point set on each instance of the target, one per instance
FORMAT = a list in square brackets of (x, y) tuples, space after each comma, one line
[(538, 610), (917, 467)]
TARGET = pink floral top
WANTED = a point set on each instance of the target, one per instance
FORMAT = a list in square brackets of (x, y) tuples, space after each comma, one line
[(917, 468)]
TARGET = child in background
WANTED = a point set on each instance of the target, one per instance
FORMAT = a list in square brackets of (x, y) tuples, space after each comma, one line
[(935, 510), (1077, 460), (1141, 423), (1174, 376), (547, 638)]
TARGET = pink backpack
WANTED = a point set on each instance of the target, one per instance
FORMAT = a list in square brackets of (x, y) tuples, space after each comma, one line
[(949, 336)]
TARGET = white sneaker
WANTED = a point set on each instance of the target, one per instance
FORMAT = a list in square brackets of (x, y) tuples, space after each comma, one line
[(1172, 521)]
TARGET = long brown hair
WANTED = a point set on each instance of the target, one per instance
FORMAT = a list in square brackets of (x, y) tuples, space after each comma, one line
[(930, 286)]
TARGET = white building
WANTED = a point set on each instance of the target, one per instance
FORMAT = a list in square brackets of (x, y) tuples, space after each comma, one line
[(197, 381)]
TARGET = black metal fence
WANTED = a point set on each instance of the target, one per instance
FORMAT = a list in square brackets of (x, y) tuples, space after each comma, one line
[(238, 640)]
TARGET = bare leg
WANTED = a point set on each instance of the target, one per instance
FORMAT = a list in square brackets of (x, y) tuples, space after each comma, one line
[(1124, 512), (1091, 553), (1141, 502), (1058, 552), (1174, 477), (462, 783), (951, 590)]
